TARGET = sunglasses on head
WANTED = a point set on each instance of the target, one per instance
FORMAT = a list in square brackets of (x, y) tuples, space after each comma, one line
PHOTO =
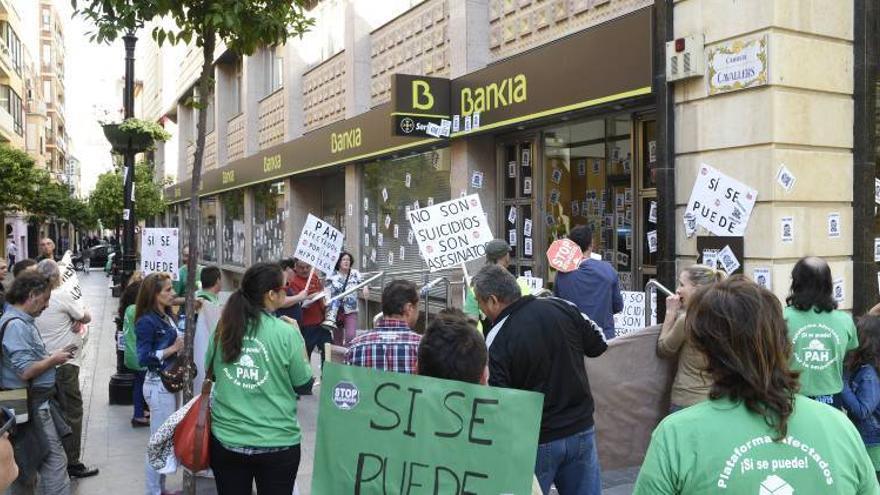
[(8, 419)]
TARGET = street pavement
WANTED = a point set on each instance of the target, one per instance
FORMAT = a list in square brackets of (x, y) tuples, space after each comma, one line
[(111, 444)]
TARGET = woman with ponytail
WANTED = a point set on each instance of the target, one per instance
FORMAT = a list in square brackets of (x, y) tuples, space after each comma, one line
[(257, 360), (691, 384)]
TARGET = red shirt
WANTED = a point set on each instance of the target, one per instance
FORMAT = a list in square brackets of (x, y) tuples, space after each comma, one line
[(314, 314)]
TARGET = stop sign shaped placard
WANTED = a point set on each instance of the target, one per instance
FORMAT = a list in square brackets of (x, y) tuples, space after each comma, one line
[(564, 255)]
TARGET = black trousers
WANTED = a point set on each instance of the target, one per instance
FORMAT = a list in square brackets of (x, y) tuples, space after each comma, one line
[(315, 336), (234, 473)]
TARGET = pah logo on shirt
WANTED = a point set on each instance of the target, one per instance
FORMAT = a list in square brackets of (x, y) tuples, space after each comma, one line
[(815, 346), (250, 371)]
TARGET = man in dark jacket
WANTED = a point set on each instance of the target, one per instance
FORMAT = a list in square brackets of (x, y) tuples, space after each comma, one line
[(539, 345)]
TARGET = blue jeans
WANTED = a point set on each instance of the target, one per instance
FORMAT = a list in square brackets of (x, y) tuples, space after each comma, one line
[(162, 405), (137, 393), (572, 463)]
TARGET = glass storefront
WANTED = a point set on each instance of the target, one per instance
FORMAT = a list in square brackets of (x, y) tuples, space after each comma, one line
[(269, 220), (208, 227), (233, 227), (390, 188)]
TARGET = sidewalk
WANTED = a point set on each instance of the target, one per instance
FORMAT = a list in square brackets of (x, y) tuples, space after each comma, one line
[(111, 444)]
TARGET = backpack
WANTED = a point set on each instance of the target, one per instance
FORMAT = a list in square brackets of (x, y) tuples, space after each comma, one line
[(129, 336)]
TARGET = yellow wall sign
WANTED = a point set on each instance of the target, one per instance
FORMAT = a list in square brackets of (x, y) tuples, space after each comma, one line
[(271, 163), (494, 95), (228, 177), (736, 65), (346, 140)]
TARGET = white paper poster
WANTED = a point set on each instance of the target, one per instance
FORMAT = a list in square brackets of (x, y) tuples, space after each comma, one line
[(526, 158), (387, 221), (456, 123), (511, 237), (527, 227), (839, 294), (477, 180), (384, 195), (527, 246), (690, 224), (652, 151), (652, 212), (728, 260), (475, 122), (396, 230), (652, 241), (877, 190), (452, 232), (763, 277), (350, 209), (320, 244), (527, 185), (380, 240), (159, 251), (834, 225), (533, 283), (710, 257), (785, 178), (556, 176), (786, 229), (720, 203), (511, 214), (366, 221), (402, 253), (407, 180), (632, 317), (877, 249), (467, 123)]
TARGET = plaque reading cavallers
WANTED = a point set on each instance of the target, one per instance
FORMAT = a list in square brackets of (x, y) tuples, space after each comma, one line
[(737, 65)]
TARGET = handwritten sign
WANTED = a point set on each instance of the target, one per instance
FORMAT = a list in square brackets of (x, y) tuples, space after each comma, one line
[(159, 251), (632, 317), (319, 244), (564, 255), (452, 232), (720, 203), (396, 433)]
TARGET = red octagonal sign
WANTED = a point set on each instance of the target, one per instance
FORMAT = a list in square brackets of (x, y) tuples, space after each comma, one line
[(565, 255)]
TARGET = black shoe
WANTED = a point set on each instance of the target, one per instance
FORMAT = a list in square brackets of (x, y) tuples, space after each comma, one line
[(81, 471)]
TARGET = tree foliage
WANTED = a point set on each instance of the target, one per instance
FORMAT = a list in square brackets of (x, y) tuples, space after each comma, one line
[(106, 200), (17, 179)]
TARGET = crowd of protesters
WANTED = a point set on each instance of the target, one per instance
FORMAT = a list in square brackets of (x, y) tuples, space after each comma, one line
[(758, 404)]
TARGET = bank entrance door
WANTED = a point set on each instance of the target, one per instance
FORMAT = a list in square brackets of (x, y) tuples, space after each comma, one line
[(518, 184)]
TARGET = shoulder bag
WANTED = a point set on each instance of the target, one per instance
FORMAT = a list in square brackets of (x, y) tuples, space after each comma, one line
[(15, 399), (192, 438)]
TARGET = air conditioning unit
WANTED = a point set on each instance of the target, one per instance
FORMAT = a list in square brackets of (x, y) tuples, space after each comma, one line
[(685, 58)]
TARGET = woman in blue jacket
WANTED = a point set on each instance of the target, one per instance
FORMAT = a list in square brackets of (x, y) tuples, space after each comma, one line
[(157, 347), (861, 386)]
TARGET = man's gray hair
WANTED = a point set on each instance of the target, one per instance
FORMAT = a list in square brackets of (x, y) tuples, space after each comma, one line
[(493, 280), (49, 269)]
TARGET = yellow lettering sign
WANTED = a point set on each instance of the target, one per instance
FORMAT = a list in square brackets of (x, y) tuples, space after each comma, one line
[(345, 140), (422, 89), (228, 177), (494, 95), (271, 163)]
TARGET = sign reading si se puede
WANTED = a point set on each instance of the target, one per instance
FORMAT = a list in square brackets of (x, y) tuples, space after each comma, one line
[(319, 244), (720, 203), (384, 432), (159, 251), (452, 232)]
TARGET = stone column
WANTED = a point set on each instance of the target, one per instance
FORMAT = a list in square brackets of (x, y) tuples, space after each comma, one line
[(357, 62), (224, 109), (253, 89), (468, 36), (802, 118), (294, 67)]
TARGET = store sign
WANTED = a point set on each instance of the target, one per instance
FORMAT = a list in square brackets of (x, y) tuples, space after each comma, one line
[(452, 232), (720, 203), (737, 65), (381, 432), (319, 244), (159, 251), (419, 104)]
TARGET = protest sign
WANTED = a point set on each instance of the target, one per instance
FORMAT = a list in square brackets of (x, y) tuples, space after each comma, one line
[(720, 203), (69, 279), (632, 317), (452, 232), (564, 255), (159, 251), (384, 432), (319, 244)]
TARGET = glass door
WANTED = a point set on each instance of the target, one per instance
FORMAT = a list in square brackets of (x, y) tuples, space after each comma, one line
[(646, 162), (517, 181)]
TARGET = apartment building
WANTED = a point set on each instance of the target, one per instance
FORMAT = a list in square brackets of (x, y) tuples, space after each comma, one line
[(562, 112)]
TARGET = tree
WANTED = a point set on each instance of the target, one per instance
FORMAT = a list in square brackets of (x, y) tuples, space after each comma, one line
[(17, 179), (106, 199), (243, 25)]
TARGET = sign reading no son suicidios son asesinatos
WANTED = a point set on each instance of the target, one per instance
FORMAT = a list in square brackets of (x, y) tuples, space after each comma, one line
[(452, 232)]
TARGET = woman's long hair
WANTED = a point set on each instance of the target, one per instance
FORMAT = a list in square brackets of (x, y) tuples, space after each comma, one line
[(129, 297), (739, 327), (150, 289), (245, 305), (868, 351), (811, 286)]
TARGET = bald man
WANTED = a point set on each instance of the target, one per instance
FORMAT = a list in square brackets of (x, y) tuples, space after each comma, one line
[(47, 250)]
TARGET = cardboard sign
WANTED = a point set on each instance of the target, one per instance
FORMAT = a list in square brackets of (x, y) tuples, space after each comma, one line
[(720, 203), (452, 232), (159, 251), (319, 244), (724, 252), (632, 317), (564, 255), (384, 432)]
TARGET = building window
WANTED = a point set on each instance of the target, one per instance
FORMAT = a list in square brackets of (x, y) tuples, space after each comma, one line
[(47, 56), (47, 18), (233, 227), (269, 221), (13, 44), (275, 67), (390, 189), (11, 102), (209, 229), (235, 89)]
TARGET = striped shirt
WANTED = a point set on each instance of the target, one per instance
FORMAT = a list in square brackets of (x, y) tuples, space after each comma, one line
[(390, 346)]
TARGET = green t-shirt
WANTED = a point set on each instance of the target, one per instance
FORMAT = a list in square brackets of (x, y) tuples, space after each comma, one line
[(207, 296), (179, 285), (254, 402), (819, 343), (718, 446)]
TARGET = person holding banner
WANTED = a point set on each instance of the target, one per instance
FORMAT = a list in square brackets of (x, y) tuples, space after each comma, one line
[(691, 384), (257, 360), (343, 279), (756, 434), (539, 344)]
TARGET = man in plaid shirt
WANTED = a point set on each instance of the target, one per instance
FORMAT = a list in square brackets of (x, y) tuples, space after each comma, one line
[(391, 345)]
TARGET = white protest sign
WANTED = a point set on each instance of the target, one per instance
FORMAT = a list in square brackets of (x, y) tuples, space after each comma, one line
[(534, 283), (452, 232), (632, 317), (720, 203), (319, 244), (159, 251)]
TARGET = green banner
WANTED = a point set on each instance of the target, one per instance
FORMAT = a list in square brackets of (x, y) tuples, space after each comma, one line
[(391, 433)]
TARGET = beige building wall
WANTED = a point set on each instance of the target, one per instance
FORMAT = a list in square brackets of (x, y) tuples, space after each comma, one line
[(802, 118)]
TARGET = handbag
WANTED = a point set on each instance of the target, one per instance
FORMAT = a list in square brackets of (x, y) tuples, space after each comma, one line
[(192, 437), (16, 400)]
